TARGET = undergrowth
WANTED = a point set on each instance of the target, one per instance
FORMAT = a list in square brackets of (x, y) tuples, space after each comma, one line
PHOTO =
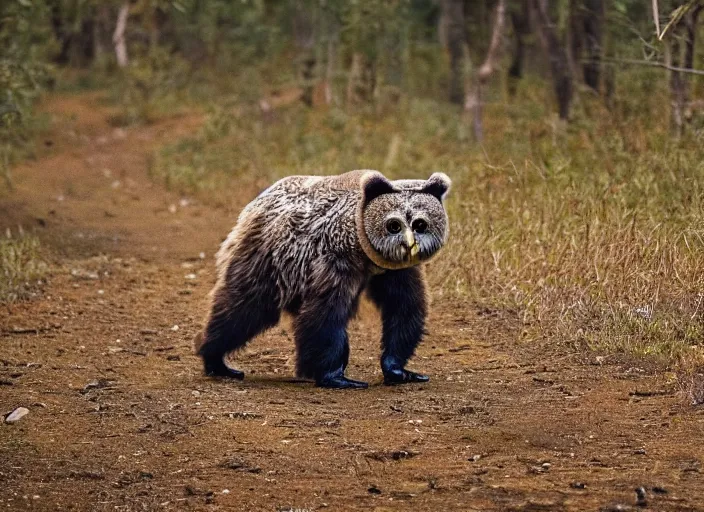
[(22, 267)]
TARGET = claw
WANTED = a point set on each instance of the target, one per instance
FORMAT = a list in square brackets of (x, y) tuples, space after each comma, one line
[(337, 380), (217, 368), (401, 376)]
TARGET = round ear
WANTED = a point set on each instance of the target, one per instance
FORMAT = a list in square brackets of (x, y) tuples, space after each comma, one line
[(437, 185), (373, 184)]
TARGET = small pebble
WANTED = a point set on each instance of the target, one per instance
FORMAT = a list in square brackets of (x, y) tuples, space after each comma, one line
[(641, 497), (16, 415)]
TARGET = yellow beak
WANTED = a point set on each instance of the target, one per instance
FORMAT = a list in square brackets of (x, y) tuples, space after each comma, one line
[(412, 244)]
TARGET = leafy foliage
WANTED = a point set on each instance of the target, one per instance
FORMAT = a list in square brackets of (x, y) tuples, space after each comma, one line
[(25, 43)]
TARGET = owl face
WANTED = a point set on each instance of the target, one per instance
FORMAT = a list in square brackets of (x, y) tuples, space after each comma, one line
[(404, 222)]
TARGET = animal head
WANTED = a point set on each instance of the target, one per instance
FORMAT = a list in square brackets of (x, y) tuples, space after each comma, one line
[(402, 223)]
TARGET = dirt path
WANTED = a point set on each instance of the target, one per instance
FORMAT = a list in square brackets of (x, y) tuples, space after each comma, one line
[(121, 418)]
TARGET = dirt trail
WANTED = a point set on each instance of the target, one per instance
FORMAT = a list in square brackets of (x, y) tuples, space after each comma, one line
[(121, 418)]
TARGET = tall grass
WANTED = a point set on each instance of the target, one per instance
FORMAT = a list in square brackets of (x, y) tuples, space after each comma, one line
[(21, 267), (590, 233)]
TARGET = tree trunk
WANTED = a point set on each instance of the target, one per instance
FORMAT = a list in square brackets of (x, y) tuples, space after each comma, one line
[(681, 54), (118, 37), (690, 23), (593, 22), (555, 52), (98, 50), (304, 35), (354, 77), (473, 98), (76, 40), (520, 21), (157, 23), (453, 22), (63, 37), (676, 86), (574, 35), (329, 71), (586, 40), (101, 32)]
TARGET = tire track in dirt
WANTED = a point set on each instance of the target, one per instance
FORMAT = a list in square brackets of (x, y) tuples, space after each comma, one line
[(121, 418)]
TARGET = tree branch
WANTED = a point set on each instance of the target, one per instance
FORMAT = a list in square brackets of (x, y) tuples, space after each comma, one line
[(654, 64)]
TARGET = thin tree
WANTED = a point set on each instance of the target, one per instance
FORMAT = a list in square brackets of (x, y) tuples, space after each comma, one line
[(520, 22), (557, 55), (304, 37), (593, 32), (452, 27), (118, 37), (680, 57), (473, 96)]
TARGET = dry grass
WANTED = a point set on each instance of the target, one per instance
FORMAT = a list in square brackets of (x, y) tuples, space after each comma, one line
[(591, 233), (691, 382), (21, 267)]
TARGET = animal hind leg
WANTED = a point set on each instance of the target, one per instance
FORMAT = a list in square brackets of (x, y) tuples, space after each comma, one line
[(400, 295), (232, 323)]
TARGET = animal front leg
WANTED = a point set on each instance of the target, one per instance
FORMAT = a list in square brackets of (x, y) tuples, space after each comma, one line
[(322, 344), (400, 295)]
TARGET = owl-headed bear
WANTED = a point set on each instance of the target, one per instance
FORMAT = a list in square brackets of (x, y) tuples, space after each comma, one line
[(309, 246)]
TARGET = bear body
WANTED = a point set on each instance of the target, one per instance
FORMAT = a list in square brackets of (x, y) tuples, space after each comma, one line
[(308, 246)]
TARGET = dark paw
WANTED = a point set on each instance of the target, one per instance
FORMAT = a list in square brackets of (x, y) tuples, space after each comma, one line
[(220, 369), (401, 376), (337, 380)]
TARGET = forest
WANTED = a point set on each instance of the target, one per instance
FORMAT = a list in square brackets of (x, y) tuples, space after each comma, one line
[(567, 308), (573, 128)]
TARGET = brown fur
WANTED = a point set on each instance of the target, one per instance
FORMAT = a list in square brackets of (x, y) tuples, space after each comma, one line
[(309, 246)]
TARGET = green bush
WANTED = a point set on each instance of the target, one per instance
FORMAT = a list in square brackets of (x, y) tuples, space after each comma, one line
[(25, 43)]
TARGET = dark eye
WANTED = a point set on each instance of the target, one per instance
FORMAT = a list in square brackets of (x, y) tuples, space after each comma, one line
[(419, 226), (394, 227)]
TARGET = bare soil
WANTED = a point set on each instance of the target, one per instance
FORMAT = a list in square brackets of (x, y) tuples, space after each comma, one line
[(121, 417)]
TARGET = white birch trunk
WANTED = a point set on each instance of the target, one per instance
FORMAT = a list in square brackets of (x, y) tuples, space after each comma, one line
[(118, 37)]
